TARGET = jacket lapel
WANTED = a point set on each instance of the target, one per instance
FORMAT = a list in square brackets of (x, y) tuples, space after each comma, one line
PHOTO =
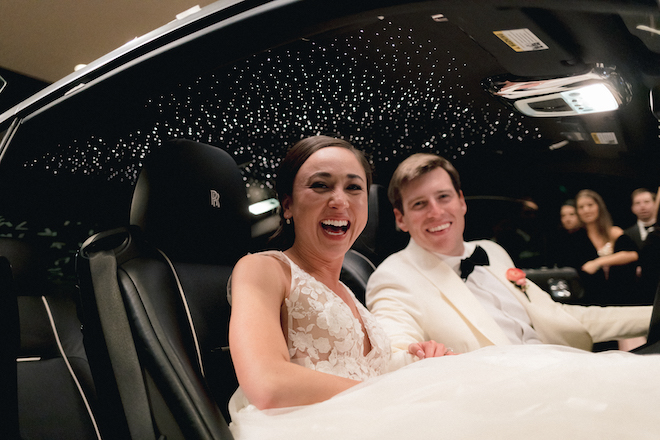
[(453, 288), (500, 273)]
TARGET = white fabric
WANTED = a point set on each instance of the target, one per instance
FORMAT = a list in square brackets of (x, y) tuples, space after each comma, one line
[(417, 297), (509, 392), (497, 299), (606, 250)]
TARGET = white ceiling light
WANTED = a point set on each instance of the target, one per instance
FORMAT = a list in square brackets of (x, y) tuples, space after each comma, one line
[(591, 99), (594, 98), (600, 90)]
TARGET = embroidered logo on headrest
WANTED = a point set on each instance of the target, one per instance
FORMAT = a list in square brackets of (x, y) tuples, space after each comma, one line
[(215, 199)]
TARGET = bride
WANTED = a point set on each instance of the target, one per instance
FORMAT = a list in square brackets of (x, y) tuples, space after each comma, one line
[(312, 362), (297, 334)]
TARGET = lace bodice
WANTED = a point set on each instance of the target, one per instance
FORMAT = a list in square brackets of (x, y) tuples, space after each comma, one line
[(322, 334)]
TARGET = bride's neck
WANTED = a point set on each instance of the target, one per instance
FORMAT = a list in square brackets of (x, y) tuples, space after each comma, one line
[(324, 269)]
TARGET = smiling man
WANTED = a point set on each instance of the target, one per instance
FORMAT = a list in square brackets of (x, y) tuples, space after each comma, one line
[(464, 294)]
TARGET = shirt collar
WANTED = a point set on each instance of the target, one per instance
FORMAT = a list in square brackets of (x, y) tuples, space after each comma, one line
[(454, 261), (641, 224)]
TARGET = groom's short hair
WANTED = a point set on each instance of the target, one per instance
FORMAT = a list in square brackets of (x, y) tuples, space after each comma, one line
[(414, 167)]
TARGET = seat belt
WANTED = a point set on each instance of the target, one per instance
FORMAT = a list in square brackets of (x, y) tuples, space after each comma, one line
[(121, 346)]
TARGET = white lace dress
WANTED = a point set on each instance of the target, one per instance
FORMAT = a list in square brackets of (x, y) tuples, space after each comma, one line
[(509, 392), (323, 335)]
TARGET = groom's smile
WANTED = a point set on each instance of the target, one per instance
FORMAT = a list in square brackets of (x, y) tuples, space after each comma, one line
[(433, 213)]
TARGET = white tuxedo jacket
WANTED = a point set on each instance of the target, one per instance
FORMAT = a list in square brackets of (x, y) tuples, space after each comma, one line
[(417, 297)]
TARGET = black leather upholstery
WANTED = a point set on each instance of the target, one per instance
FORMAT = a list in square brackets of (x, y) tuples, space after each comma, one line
[(355, 273), (652, 345), (379, 240), (380, 237), (9, 346), (56, 395), (190, 202), (173, 266)]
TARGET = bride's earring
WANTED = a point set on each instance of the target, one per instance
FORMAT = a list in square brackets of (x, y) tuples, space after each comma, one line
[(288, 221)]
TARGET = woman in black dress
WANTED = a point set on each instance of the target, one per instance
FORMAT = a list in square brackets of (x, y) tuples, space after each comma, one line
[(608, 256)]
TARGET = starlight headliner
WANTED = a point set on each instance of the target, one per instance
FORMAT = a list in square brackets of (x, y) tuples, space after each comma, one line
[(387, 88)]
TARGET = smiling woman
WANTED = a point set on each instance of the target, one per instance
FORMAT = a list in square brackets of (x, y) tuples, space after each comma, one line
[(321, 182), (297, 334), (287, 176)]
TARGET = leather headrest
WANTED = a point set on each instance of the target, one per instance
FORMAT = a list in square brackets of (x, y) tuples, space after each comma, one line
[(380, 237), (190, 201)]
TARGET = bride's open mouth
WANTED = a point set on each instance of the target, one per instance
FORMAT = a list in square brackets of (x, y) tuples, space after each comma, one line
[(335, 227)]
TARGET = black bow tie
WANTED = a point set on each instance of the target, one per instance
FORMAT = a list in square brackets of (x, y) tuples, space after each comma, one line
[(478, 258)]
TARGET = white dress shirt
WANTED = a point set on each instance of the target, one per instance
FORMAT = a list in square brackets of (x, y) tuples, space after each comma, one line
[(498, 301), (643, 232)]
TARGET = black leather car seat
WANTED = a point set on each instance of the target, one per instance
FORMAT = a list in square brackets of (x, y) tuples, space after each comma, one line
[(189, 225), (9, 347), (379, 240), (652, 345), (55, 392), (355, 272)]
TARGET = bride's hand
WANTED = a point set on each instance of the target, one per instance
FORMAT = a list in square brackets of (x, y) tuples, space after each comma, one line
[(428, 349)]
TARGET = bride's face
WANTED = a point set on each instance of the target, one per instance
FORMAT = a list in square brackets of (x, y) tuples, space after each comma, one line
[(328, 205)]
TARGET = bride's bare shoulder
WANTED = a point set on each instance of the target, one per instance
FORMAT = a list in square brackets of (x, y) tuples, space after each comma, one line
[(261, 266)]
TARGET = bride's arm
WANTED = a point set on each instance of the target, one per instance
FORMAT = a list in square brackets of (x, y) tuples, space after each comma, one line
[(257, 345)]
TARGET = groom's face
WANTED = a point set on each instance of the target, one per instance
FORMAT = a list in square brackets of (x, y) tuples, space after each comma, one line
[(433, 213)]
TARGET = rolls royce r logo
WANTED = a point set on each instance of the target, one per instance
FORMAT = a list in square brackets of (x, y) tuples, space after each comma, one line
[(215, 198)]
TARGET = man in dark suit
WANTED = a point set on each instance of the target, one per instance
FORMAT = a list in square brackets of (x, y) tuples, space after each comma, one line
[(643, 206)]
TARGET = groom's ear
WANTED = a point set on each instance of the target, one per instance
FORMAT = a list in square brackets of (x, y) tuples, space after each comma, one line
[(398, 216)]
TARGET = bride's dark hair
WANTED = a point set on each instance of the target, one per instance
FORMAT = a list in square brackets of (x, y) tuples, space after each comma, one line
[(295, 157)]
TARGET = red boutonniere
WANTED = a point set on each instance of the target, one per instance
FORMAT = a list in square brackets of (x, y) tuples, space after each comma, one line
[(518, 278)]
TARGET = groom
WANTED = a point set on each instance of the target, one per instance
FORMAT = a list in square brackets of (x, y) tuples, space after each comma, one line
[(432, 290)]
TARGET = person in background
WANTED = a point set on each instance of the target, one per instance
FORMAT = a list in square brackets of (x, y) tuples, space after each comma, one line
[(469, 294), (561, 245), (615, 263), (569, 218), (609, 256), (643, 206), (649, 263)]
